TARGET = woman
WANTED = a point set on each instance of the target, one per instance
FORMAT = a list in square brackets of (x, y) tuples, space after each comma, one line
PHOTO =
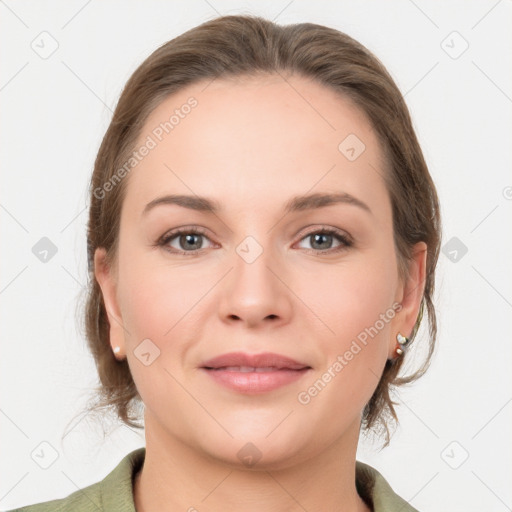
[(263, 236)]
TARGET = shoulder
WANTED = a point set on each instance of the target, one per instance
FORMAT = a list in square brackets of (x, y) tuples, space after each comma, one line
[(377, 492), (83, 500), (113, 494)]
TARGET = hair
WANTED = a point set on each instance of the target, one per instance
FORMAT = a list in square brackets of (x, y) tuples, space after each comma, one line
[(238, 46)]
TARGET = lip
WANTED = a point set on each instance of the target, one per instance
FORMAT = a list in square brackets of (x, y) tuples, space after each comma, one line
[(254, 373), (263, 360)]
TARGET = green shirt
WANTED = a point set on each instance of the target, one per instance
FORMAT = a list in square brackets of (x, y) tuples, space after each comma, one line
[(115, 492)]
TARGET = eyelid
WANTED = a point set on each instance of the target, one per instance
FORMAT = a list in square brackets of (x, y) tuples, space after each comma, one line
[(173, 233), (329, 229), (183, 229), (342, 236), (345, 240)]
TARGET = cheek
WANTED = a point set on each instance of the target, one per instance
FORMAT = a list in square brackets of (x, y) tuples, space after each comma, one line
[(165, 305), (157, 305), (353, 344), (149, 308), (348, 299), (353, 324), (155, 295)]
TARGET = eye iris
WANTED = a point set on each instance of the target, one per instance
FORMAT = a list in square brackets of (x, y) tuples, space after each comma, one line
[(189, 238), (321, 236)]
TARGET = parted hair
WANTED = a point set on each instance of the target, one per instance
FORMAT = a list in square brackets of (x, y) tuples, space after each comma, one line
[(244, 46)]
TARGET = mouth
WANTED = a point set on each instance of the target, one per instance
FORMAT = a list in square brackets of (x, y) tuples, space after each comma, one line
[(250, 369), (256, 373), (243, 362)]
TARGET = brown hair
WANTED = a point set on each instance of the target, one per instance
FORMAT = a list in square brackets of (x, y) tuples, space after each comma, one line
[(238, 46)]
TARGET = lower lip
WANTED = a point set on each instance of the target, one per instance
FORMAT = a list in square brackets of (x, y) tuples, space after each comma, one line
[(255, 382)]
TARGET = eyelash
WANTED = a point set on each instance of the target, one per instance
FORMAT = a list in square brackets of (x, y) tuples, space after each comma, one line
[(165, 239)]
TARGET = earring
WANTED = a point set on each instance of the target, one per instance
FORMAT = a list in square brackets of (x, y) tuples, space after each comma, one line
[(402, 344), (117, 350)]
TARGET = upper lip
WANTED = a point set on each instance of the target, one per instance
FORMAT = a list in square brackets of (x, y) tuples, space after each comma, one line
[(264, 360)]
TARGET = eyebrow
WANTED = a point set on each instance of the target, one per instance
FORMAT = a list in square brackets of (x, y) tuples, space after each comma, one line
[(295, 204)]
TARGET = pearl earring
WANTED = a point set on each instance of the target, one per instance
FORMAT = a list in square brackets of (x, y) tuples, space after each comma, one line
[(402, 342)]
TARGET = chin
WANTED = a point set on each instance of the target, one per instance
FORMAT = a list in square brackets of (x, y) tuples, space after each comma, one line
[(257, 452)]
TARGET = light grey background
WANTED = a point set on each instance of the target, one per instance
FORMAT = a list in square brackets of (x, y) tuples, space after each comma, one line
[(55, 110)]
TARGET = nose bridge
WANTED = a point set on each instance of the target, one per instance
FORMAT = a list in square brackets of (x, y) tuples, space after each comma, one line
[(254, 259), (254, 291)]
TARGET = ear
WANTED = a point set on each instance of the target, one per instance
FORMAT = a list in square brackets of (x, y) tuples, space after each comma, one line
[(107, 281), (410, 295)]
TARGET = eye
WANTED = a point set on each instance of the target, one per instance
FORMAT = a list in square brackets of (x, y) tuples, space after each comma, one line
[(190, 240), (186, 238), (322, 239)]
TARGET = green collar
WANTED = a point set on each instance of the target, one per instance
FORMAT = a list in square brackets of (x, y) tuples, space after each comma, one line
[(115, 492), (370, 484)]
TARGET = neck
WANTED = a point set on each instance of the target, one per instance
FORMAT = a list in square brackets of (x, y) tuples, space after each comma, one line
[(176, 477)]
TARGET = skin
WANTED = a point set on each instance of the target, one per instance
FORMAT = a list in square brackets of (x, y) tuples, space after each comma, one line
[(252, 144)]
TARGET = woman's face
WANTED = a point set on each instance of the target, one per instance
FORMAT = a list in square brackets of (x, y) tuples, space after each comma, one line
[(262, 276)]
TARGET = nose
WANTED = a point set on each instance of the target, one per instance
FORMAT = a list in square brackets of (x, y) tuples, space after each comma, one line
[(255, 292)]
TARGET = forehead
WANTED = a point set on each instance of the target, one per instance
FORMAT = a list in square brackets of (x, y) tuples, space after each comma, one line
[(248, 139)]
